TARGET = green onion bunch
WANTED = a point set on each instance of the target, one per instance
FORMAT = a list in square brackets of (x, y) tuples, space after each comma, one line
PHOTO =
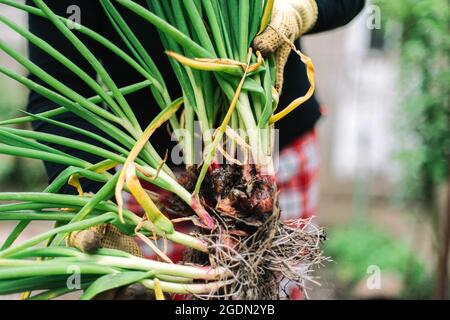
[(228, 89)]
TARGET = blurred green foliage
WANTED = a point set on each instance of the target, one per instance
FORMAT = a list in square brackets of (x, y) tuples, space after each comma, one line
[(358, 246), (422, 29), (17, 173)]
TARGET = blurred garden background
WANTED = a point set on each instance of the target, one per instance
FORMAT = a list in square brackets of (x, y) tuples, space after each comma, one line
[(384, 81)]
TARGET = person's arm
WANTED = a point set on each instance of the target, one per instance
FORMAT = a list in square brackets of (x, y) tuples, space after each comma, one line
[(44, 29), (293, 18), (333, 14), (106, 235)]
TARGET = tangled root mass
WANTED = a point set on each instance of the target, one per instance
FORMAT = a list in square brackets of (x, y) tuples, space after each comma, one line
[(251, 241)]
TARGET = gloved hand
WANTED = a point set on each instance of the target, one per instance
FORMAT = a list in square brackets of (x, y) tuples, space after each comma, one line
[(103, 236), (290, 19), (109, 236)]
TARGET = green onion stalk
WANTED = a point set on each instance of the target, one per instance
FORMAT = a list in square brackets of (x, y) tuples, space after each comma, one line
[(228, 89)]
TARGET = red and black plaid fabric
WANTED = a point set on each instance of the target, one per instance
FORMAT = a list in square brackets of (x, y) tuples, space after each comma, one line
[(297, 179)]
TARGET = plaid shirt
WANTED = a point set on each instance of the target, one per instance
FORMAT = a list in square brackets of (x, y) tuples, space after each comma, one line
[(298, 178)]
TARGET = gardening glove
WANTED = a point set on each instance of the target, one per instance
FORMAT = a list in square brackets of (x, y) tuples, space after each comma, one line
[(290, 19), (103, 236), (109, 236)]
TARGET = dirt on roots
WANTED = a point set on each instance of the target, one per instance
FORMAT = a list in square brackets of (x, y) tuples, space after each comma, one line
[(250, 240)]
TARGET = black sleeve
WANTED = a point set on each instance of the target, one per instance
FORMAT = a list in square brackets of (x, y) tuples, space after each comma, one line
[(44, 29), (336, 13)]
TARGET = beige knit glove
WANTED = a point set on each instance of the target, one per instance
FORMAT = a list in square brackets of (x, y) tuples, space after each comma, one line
[(109, 236), (290, 19), (103, 236)]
